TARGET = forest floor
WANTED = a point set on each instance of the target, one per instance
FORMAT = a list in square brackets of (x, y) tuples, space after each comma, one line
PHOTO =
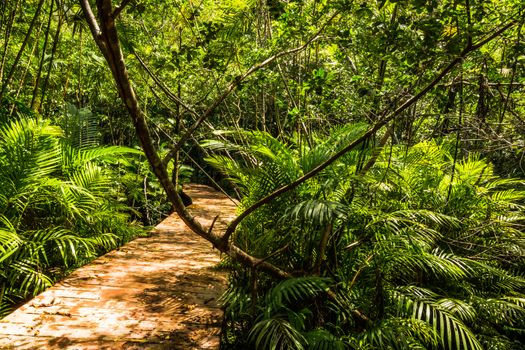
[(156, 292)]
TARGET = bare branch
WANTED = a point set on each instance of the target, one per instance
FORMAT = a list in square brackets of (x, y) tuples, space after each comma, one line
[(492, 36), (119, 9), (163, 87), (238, 80), (107, 39), (233, 225), (210, 229), (278, 251)]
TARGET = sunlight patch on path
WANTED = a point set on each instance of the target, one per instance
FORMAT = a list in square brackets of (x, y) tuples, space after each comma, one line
[(157, 292)]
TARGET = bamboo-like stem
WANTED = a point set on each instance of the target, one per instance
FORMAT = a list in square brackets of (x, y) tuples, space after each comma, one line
[(42, 57), (11, 73)]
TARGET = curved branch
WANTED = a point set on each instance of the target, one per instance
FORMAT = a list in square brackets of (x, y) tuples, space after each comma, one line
[(163, 87), (237, 81), (106, 36), (119, 9), (233, 225)]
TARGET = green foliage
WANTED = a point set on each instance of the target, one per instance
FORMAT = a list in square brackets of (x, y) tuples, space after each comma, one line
[(276, 333), (425, 250), (421, 251), (58, 207), (281, 323)]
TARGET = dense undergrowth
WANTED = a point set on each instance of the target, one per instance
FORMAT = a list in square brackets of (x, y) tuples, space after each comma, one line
[(414, 239), (60, 206), (419, 252)]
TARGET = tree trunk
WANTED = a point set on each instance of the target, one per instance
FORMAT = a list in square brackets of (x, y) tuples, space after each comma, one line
[(21, 51), (106, 37)]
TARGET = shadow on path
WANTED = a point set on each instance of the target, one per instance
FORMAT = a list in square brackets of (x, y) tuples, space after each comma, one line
[(157, 292)]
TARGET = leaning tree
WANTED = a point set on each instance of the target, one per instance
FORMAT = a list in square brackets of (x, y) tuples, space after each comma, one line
[(103, 25)]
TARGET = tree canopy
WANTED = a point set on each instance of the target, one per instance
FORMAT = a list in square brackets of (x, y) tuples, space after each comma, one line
[(376, 148)]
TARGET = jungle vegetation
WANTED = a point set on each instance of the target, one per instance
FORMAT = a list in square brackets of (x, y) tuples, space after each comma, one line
[(377, 149)]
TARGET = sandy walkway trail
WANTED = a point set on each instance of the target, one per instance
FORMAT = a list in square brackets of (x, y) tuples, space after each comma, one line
[(157, 292)]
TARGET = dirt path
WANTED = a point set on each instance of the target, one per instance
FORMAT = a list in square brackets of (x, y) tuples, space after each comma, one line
[(157, 292)]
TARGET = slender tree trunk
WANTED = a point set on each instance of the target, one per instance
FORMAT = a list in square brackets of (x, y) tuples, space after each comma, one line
[(7, 35), (42, 58), (22, 80), (78, 91), (21, 51), (106, 37), (56, 39), (178, 121)]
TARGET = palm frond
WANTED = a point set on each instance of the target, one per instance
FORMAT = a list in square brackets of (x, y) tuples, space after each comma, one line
[(294, 290), (315, 211), (398, 333), (452, 332), (458, 308), (505, 311), (74, 158), (442, 266), (10, 242), (28, 277), (321, 339), (232, 169), (276, 334), (336, 140)]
